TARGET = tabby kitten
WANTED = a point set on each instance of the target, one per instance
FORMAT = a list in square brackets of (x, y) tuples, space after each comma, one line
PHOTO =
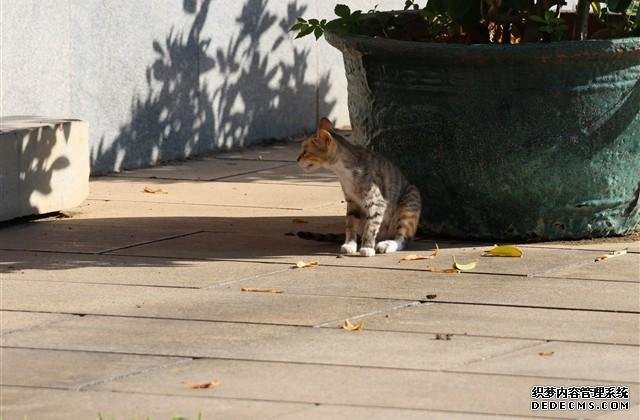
[(381, 205)]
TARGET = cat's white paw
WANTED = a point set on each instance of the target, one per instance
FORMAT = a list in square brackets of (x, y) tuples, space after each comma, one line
[(386, 247), (350, 247), (367, 252)]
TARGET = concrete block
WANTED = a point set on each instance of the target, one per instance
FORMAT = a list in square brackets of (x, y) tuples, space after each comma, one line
[(44, 165)]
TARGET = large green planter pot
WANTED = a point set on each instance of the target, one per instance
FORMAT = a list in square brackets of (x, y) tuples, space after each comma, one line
[(526, 142)]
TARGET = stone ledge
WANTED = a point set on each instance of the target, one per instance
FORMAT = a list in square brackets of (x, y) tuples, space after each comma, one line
[(44, 165)]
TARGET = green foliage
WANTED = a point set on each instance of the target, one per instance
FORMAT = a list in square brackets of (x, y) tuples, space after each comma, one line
[(346, 23), (475, 21), (551, 24)]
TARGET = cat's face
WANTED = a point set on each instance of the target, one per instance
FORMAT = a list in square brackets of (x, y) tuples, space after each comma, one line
[(317, 151)]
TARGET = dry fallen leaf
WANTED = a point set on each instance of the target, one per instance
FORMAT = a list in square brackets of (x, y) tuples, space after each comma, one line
[(154, 190), (546, 353), (611, 255), (504, 251), (302, 264), (299, 221), (431, 296), (214, 383), (257, 289), (347, 325), (444, 270), (464, 267), (413, 257)]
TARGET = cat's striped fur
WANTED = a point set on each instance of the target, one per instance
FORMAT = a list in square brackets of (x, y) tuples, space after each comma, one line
[(382, 207)]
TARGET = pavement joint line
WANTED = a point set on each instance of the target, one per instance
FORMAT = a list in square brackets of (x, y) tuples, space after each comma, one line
[(559, 308), (326, 364), (581, 249), (113, 378), (123, 176), (378, 330), (310, 404), (162, 239), (549, 276), (256, 160), (192, 204), (97, 283), (494, 355), (41, 325), (361, 316), (226, 177), (201, 259), (252, 277)]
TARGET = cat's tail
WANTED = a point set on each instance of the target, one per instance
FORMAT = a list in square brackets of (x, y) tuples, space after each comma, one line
[(322, 237)]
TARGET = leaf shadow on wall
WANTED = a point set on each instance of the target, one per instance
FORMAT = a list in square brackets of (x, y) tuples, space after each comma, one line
[(255, 97)]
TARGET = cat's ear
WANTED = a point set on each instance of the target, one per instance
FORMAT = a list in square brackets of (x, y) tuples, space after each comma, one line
[(323, 138), (325, 124)]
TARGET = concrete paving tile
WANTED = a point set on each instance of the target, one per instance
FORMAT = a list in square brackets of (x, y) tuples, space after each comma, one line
[(287, 152), (587, 361), (51, 404), (196, 304), (79, 234), (262, 342), (497, 321), (17, 321), (458, 288), (290, 174), (215, 193), (270, 236), (63, 369), (271, 244), (202, 217), (622, 268), (263, 245), (109, 269), (457, 392), (207, 169), (75, 236)]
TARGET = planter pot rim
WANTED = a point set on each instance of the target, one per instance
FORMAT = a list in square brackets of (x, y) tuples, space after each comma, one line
[(571, 50)]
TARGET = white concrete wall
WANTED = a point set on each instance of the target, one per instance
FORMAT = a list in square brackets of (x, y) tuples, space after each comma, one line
[(165, 79)]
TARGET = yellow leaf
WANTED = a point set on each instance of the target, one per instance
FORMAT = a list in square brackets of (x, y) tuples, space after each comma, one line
[(259, 290), (299, 221), (464, 267), (302, 264), (154, 190), (611, 255), (212, 384), (347, 325), (504, 251), (444, 270)]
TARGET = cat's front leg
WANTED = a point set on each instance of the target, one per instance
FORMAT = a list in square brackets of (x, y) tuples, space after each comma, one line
[(374, 217), (350, 245)]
